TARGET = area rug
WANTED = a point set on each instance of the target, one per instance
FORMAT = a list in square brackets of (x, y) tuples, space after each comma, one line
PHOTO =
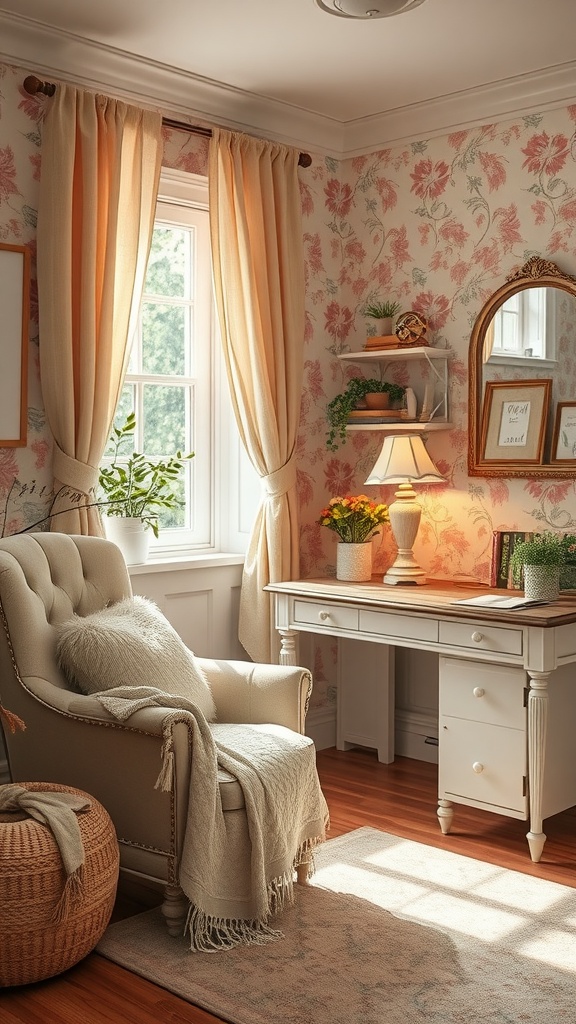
[(389, 932)]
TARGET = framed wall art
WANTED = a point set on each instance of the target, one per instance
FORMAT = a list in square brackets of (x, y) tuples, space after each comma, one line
[(14, 313), (564, 436), (514, 421)]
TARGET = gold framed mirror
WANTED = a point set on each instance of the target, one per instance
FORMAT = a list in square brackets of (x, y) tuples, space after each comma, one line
[(524, 343)]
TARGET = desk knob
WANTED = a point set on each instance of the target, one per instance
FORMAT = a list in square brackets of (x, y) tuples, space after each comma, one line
[(478, 691), (477, 767), (477, 637), (323, 616)]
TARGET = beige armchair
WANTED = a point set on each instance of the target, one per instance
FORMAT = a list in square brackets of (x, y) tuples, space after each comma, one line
[(70, 739)]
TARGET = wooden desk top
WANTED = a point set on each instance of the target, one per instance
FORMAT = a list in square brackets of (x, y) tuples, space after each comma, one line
[(438, 596)]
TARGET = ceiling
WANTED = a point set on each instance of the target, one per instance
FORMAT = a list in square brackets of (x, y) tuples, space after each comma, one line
[(338, 79)]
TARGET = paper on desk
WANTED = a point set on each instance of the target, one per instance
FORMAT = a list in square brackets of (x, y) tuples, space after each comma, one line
[(495, 601)]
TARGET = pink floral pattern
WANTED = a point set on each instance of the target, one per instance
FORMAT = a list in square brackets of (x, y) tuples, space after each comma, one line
[(436, 224)]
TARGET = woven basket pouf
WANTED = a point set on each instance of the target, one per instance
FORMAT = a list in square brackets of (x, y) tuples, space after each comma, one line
[(32, 945)]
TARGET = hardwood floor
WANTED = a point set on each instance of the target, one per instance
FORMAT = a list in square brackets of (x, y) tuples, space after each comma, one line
[(399, 798)]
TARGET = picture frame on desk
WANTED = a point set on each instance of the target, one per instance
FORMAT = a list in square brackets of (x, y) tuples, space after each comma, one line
[(514, 421), (564, 436)]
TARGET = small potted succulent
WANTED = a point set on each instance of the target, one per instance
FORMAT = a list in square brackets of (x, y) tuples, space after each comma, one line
[(540, 561), (338, 410), (383, 314)]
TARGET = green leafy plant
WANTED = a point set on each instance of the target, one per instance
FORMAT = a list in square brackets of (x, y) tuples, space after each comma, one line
[(569, 545), (543, 549), (135, 485), (339, 408), (381, 310), (355, 518)]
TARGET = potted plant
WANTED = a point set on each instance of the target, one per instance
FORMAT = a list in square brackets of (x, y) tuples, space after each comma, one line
[(568, 570), (355, 519), (339, 408), (134, 489), (383, 314), (540, 560)]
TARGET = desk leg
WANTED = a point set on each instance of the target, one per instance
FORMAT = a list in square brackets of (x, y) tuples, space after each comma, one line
[(537, 723), (445, 814), (288, 642)]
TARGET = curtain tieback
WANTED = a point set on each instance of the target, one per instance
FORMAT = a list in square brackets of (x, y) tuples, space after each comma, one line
[(79, 476), (281, 481)]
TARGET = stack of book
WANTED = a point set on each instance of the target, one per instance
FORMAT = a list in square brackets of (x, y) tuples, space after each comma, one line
[(381, 341), (503, 544)]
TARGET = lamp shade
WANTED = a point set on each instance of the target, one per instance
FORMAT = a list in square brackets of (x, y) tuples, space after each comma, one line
[(404, 459)]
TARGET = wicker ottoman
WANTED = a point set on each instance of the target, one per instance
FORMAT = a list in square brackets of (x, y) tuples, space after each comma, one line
[(33, 946)]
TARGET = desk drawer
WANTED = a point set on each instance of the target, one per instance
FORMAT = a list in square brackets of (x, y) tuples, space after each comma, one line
[(406, 627), (479, 692), (483, 764), (315, 613), (481, 636)]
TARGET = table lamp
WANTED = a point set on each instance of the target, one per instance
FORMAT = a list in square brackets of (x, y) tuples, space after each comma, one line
[(404, 461)]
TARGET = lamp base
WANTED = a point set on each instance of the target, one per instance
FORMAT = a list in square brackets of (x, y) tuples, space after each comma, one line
[(405, 572), (405, 515)]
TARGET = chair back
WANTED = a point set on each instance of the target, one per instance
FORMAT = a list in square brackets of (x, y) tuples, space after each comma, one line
[(44, 579)]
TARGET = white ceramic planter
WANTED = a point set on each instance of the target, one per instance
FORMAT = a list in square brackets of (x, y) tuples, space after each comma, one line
[(131, 536), (354, 562), (542, 582)]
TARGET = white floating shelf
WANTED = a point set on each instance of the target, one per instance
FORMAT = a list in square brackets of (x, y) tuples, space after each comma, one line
[(396, 354), (403, 428)]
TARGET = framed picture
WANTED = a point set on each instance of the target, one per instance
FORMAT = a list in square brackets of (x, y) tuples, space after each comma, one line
[(14, 310), (514, 421), (564, 437)]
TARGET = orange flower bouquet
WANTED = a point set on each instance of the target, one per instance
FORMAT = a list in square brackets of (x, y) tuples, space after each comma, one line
[(355, 519)]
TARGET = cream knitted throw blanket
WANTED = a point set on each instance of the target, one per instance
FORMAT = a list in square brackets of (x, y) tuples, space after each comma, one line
[(237, 869)]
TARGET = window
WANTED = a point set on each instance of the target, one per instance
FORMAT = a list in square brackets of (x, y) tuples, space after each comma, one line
[(523, 326), (176, 382)]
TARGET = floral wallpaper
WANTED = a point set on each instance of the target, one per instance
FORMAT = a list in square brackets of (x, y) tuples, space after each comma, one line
[(436, 224)]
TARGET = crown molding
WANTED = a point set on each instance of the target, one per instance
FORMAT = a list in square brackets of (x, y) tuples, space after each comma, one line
[(503, 100), (55, 54)]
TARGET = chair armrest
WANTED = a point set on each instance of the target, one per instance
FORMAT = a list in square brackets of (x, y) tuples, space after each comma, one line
[(257, 693)]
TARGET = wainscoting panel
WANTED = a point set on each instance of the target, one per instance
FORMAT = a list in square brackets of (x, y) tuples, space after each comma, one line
[(201, 603)]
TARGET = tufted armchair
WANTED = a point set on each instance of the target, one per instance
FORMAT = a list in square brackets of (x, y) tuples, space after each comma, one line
[(70, 739)]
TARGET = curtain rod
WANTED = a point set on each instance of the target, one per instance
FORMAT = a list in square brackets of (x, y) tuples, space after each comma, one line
[(34, 85)]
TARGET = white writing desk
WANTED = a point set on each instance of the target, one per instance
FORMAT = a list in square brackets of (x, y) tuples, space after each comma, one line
[(507, 680)]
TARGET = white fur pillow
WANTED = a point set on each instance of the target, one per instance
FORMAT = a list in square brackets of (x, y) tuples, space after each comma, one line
[(131, 644)]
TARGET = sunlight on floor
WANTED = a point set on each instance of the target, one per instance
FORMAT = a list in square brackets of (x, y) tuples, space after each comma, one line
[(528, 916)]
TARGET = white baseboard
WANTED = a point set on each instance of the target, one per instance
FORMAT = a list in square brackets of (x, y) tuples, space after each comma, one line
[(416, 735), (321, 727)]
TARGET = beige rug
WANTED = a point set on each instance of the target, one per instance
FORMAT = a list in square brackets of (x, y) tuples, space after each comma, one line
[(390, 932)]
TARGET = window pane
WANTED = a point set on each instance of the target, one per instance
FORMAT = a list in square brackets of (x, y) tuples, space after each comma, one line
[(124, 407), (168, 263), (164, 334), (164, 419)]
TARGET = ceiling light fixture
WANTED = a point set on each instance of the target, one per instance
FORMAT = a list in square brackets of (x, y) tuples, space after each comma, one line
[(364, 9)]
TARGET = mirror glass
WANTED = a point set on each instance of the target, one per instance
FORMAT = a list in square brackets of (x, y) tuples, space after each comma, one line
[(522, 410)]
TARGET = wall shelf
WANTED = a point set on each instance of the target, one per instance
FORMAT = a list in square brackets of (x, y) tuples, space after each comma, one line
[(426, 354)]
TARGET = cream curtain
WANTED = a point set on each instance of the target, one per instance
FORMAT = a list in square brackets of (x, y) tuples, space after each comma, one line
[(258, 258), (100, 169)]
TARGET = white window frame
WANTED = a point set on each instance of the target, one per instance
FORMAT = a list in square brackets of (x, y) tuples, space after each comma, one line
[(545, 315), (228, 483)]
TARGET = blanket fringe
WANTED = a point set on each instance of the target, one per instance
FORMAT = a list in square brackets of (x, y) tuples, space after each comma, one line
[(12, 721), (210, 934), (71, 894), (165, 780)]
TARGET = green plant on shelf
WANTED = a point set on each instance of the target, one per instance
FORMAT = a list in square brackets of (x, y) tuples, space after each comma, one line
[(381, 310), (339, 408)]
